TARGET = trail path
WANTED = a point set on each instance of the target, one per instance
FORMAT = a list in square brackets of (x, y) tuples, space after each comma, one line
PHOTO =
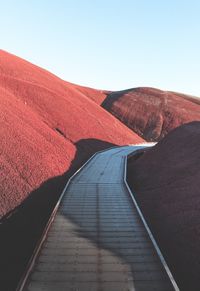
[(97, 240)]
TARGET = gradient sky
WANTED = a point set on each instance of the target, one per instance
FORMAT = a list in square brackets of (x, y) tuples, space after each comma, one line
[(108, 44)]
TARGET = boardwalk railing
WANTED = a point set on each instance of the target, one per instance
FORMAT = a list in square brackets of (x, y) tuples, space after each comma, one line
[(146, 225)]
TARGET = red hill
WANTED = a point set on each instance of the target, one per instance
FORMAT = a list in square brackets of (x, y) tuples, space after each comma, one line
[(48, 128), (42, 118), (150, 112), (167, 186)]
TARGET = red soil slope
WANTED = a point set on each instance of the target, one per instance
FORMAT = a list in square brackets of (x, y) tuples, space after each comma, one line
[(98, 96), (42, 117), (48, 128), (152, 113), (167, 186)]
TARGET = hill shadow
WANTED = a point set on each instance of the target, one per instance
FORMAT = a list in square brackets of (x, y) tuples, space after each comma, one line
[(112, 97), (21, 229)]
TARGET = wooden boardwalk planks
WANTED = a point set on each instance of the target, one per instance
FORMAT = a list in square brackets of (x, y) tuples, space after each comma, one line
[(97, 240)]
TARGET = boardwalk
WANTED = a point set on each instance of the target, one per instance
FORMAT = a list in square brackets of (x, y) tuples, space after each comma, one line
[(97, 240)]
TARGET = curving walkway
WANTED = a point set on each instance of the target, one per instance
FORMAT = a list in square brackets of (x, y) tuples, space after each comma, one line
[(97, 241)]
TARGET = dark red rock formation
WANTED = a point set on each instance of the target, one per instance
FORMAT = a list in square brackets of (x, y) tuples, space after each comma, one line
[(166, 182), (152, 113)]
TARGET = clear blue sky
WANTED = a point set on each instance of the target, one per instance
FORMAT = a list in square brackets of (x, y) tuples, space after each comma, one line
[(108, 44)]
